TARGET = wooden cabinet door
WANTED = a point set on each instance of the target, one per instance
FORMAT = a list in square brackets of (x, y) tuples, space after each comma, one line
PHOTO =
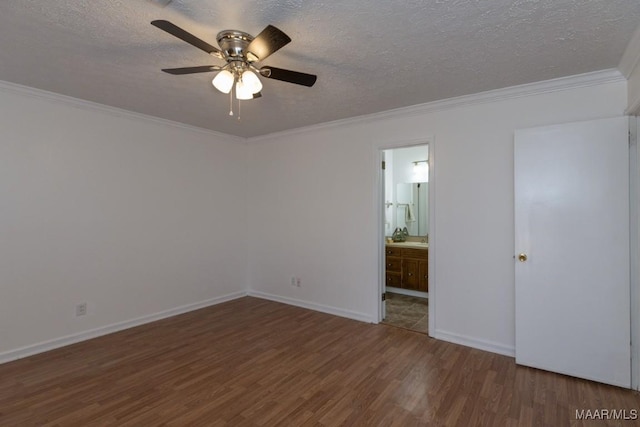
[(423, 276), (410, 274)]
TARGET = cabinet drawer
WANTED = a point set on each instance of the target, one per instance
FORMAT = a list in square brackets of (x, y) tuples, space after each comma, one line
[(392, 251), (393, 279), (415, 253), (393, 264)]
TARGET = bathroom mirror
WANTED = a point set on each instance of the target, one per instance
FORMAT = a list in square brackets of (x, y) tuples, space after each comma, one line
[(412, 210)]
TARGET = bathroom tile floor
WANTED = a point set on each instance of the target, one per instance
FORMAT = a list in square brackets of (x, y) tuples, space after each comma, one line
[(407, 312)]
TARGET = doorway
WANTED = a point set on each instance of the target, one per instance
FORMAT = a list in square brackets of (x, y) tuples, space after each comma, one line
[(406, 219)]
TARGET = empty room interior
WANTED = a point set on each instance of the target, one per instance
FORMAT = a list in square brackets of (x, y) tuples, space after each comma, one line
[(319, 213)]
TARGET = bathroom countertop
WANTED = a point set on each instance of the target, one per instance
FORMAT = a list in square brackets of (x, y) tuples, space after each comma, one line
[(416, 245)]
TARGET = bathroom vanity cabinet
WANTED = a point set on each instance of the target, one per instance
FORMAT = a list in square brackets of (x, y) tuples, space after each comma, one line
[(407, 267)]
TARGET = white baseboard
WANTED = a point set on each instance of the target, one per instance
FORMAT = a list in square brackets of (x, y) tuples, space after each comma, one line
[(490, 346), (41, 347), (313, 306), (441, 335)]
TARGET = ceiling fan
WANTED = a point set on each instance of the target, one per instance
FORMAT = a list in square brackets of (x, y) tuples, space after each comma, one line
[(240, 51)]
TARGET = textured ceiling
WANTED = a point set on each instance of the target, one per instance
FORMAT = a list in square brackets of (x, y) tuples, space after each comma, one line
[(369, 56)]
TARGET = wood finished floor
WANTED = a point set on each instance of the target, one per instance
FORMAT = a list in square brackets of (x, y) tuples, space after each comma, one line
[(252, 362)]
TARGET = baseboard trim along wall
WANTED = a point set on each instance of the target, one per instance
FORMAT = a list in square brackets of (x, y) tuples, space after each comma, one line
[(44, 346), (441, 335), (30, 350), (354, 315), (493, 347)]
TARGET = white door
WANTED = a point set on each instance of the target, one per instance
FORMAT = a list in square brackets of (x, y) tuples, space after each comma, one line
[(572, 225)]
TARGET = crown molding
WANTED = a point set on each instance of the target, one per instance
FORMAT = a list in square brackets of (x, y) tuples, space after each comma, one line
[(631, 55), (106, 109), (554, 85), (559, 84)]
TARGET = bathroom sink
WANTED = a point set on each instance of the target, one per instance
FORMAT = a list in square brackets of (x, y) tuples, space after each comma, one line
[(409, 244)]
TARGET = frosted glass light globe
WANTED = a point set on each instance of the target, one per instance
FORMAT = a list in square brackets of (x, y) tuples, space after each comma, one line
[(223, 81)]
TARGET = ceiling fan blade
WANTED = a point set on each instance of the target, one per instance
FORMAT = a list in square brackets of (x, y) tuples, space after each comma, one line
[(178, 32), (296, 77), (267, 42), (191, 70)]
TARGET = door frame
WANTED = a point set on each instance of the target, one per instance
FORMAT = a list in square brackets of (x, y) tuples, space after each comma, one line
[(634, 250), (380, 220)]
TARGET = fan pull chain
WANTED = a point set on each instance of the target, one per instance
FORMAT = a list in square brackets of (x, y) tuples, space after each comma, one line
[(231, 102), (239, 110)]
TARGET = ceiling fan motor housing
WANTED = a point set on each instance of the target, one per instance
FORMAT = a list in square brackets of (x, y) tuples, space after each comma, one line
[(234, 44)]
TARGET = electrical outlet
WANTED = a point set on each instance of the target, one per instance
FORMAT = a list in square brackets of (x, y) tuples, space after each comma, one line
[(298, 282), (293, 281), (81, 309)]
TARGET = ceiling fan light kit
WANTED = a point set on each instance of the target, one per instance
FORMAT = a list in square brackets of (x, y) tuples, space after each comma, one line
[(242, 91), (223, 81), (251, 81), (240, 51)]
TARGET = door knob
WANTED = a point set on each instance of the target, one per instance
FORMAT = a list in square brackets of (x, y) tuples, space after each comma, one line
[(522, 257)]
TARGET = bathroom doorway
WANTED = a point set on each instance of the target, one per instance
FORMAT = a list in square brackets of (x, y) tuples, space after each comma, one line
[(406, 237)]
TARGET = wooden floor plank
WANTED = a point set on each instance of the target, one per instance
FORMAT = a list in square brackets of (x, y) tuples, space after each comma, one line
[(252, 362)]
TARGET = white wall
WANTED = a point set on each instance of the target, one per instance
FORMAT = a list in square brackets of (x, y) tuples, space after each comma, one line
[(634, 91), (137, 217), (634, 250), (141, 218), (313, 208), (630, 66)]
